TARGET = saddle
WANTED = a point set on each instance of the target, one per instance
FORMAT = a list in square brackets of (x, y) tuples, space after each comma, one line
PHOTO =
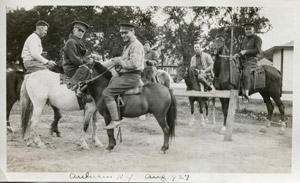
[(134, 91), (258, 79)]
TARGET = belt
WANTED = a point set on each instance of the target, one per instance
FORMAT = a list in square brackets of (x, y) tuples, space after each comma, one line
[(131, 72)]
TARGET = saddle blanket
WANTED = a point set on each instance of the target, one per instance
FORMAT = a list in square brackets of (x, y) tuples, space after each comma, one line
[(258, 77)]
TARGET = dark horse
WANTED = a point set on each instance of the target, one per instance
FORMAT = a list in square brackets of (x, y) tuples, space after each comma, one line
[(226, 71), (190, 77), (14, 80), (155, 98)]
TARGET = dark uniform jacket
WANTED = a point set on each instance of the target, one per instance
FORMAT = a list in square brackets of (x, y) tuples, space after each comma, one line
[(253, 46), (74, 52)]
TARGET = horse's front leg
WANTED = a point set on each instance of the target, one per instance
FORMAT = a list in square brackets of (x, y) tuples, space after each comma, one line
[(203, 124), (270, 109), (88, 113), (213, 111), (94, 134), (192, 120), (225, 103)]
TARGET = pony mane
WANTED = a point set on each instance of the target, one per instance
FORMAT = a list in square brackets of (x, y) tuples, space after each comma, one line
[(100, 68)]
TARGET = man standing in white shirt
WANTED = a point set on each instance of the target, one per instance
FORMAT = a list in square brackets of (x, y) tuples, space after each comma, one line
[(32, 50)]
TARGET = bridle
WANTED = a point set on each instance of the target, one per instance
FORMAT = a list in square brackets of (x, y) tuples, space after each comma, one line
[(83, 84)]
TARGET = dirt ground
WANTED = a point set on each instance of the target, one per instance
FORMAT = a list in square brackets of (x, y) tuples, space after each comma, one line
[(194, 150)]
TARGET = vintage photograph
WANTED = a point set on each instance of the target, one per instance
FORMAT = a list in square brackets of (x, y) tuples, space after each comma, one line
[(158, 93)]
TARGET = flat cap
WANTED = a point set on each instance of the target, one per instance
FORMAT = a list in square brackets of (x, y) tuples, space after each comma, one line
[(80, 24), (248, 24), (127, 26), (41, 23)]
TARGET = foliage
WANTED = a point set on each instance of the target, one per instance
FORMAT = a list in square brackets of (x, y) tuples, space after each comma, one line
[(173, 40), (103, 37), (188, 24)]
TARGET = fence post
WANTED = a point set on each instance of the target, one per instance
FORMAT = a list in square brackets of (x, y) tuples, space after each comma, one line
[(231, 113)]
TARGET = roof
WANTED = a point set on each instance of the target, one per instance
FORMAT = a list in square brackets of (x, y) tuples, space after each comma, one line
[(269, 52), (286, 45)]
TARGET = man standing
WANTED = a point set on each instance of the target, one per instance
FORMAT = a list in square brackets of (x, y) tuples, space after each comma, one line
[(248, 56), (32, 50), (204, 63), (132, 64), (74, 49)]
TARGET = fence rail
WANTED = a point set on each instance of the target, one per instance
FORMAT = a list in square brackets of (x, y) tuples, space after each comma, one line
[(169, 69)]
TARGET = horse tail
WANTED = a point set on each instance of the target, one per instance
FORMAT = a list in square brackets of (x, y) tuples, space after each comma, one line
[(172, 115), (26, 107)]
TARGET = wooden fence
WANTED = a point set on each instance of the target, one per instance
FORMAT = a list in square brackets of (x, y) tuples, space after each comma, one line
[(231, 94)]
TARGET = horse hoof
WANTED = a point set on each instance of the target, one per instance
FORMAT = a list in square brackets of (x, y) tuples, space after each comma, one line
[(143, 117), (58, 134), (42, 146), (9, 129), (203, 125), (263, 130), (281, 132), (84, 147), (30, 143), (99, 144), (109, 148), (164, 149), (222, 131)]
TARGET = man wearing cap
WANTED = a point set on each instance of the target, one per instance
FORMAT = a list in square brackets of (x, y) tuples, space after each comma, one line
[(204, 63), (250, 49), (74, 49), (32, 50), (132, 64), (74, 52)]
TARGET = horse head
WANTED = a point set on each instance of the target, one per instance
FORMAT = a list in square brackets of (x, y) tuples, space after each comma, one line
[(83, 73), (148, 74), (218, 46), (181, 73)]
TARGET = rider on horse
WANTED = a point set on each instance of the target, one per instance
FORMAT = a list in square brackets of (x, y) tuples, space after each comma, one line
[(248, 56), (132, 64), (74, 52), (204, 63), (32, 50)]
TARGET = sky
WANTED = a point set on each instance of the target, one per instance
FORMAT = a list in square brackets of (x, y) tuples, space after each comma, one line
[(281, 18)]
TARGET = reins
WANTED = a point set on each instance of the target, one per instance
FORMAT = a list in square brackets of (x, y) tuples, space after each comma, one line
[(94, 78)]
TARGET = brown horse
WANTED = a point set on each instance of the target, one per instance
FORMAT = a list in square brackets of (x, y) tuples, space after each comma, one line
[(227, 78), (190, 77), (161, 76), (154, 98)]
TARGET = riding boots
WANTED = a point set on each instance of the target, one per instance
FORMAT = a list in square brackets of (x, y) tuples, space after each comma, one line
[(113, 110)]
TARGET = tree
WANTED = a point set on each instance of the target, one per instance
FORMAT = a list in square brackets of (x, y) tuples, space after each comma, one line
[(103, 36), (188, 24)]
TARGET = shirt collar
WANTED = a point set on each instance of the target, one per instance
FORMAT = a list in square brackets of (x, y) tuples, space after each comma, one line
[(37, 34)]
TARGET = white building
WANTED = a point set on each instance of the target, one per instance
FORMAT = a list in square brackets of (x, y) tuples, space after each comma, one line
[(283, 58)]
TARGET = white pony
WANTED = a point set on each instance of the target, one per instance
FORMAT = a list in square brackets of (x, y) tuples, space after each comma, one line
[(42, 86)]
